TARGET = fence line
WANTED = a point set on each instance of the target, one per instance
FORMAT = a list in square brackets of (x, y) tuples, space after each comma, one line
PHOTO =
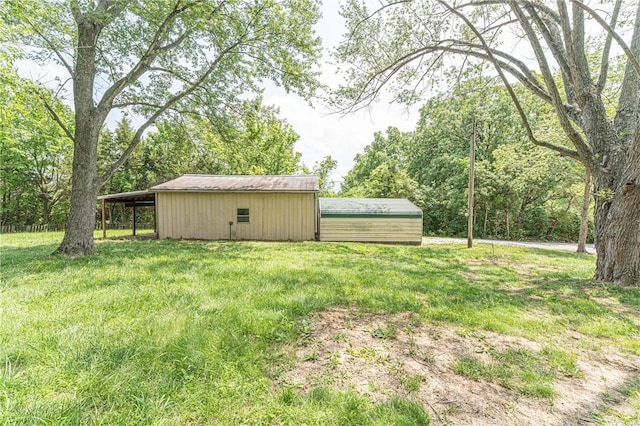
[(10, 229)]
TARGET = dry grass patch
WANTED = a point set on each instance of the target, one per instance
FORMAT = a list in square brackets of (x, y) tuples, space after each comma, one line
[(463, 377)]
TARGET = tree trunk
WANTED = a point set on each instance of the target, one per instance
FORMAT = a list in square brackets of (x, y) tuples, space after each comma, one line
[(507, 223), (617, 220), (615, 167), (617, 185), (618, 239), (584, 214), (486, 218), (78, 237)]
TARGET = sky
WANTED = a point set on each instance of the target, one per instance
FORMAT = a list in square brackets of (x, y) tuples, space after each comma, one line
[(324, 133)]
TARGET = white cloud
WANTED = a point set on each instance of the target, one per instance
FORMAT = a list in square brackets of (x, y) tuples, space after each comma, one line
[(342, 137)]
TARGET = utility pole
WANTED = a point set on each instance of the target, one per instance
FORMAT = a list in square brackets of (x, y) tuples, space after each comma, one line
[(472, 160)]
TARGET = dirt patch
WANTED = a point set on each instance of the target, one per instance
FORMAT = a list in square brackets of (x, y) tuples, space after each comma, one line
[(619, 308), (526, 272), (382, 356)]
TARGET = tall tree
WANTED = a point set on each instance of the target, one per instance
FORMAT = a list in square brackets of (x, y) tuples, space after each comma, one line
[(404, 43), (323, 170), (522, 191), (251, 141), (381, 171), (35, 155), (384, 149), (156, 58), (130, 176), (172, 151)]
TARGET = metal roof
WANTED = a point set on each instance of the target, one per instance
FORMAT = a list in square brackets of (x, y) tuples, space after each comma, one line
[(369, 207), (128, 196), (240, 183)]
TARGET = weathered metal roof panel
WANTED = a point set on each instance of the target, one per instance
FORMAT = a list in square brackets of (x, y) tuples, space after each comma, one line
[(128, 196), (369, 207), (216, 183)]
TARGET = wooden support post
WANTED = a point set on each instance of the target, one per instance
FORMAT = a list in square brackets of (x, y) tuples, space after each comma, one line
[(472, 159), (155, 217), (155, 214), (104, 222), (133, 222)]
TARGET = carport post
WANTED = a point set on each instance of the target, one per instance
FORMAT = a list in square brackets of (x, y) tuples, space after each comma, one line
[(104, 222), (134, 218)]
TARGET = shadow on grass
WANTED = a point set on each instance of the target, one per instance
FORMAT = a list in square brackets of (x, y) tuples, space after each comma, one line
[(182, 315), (298, 278), (595, 411), (124, 255)]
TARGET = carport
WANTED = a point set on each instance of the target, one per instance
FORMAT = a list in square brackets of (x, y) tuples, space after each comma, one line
[(129, 199)]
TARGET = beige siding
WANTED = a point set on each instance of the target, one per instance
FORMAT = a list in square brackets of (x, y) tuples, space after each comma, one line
[(206, 215), (387, 230)]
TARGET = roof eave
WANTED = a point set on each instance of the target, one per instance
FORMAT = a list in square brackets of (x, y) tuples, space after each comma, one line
[(292, 191)]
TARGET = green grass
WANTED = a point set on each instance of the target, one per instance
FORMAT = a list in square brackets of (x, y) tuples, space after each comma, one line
[(165, 332), (522, 371)]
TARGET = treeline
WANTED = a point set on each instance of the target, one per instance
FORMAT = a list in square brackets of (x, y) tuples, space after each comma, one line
[(521, 190), (36, 155)]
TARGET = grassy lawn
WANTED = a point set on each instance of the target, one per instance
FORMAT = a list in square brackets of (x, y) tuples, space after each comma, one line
[(166, 332)]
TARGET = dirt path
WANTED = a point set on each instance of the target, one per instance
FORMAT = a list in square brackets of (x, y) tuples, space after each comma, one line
[(418, 363), (536, 245)]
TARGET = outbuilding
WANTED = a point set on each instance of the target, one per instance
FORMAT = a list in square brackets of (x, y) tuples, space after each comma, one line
[(384, 220), (271, 208)]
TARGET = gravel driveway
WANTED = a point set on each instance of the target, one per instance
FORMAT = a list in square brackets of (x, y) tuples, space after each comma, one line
[(545, 246)]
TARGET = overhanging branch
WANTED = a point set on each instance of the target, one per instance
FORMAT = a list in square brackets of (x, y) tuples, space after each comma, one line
[(169, 104), (512, 94), (632, 59), (506, 62), (54, 115), (604, 64)]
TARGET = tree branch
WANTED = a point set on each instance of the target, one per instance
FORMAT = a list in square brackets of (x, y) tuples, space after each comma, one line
[(632, 59), (582, 64), (552, 37), (582, 148), (511, 64), (138, 136), (153, 50), (54, 115), (512, 94), (135, 103), (377, 11), (537, 4), (604, 64), (52, 46), (75, 11)]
